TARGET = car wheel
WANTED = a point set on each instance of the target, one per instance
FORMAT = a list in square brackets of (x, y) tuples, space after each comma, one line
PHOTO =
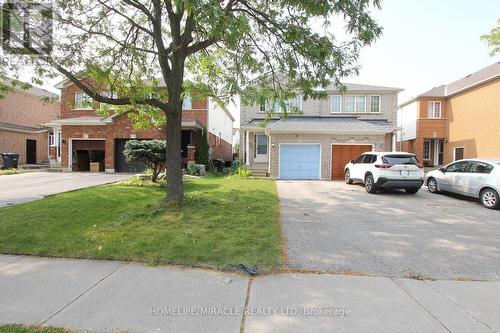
[(347, 177), (432, 185), (411, 190), (370, 184), (489, 198)]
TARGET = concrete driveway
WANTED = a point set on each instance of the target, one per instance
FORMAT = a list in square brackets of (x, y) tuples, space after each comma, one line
[(334, 227), (15, 189)]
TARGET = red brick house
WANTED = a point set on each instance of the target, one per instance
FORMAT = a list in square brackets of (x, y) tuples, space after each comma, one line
[(21, 114), (86, 136)]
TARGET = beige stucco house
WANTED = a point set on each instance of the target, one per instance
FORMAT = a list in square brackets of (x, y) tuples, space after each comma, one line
[(318, 142)]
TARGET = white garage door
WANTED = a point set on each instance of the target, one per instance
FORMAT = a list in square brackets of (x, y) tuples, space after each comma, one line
[(299, 161)]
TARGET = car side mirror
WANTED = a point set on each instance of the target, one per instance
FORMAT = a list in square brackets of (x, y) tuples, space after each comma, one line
[(443, 170), (353, 162)]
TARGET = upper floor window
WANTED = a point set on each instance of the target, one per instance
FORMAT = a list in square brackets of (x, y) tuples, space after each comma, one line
[(296, 103), (108, 94), (262, 107), (83, 101), (293, 104), (336, 104), (434, 109), (375, 104), (355, 104), (187, 103)]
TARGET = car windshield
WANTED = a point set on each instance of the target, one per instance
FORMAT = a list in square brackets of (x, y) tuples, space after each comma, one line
[(400, 159)]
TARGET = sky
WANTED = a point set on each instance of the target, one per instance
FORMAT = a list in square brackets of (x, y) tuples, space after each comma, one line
[(425, 43)]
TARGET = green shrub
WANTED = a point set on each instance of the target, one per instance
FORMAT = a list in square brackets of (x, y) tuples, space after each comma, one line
[(9, 172), (244, 172), (203, 151), (141, 182), (151, 152), (193, 169)]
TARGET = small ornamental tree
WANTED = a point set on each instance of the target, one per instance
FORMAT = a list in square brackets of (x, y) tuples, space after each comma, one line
[(202, 156), (151, 152)]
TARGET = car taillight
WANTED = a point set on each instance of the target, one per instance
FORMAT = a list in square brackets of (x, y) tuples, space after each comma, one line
[(383, 166), (420, 165)]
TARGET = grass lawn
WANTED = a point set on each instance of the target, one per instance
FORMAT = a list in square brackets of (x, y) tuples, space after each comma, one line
[(30, 329), (224, 221)]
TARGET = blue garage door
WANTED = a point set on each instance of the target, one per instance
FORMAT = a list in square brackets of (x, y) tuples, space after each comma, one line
[(299, 161)]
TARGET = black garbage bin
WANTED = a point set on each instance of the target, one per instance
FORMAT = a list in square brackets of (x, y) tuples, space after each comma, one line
[(219, 165), (10, 160)]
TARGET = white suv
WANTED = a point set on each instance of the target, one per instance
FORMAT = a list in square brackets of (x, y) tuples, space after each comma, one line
[(386, 170)]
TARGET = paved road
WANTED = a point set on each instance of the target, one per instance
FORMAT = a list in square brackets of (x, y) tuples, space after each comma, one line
[(334, 227), (31, 186), (106, 296)]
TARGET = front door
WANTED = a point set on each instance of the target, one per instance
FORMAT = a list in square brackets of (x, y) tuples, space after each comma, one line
[(261, 143), (30, 151)]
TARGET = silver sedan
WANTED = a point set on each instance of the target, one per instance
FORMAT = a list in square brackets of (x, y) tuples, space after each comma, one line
[(471, 177)]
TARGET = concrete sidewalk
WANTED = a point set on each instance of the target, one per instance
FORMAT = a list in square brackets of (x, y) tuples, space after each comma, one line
[(107, 296)]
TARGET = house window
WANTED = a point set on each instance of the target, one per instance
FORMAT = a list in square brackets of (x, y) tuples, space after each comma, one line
[(296, 103), (375, 104), (336, 104), (83, 101), (52, 138), (434, 109), (427, 150), (262, 106), (110, 95), (355, 104), (187, 103), (458, 154), (293, 104)]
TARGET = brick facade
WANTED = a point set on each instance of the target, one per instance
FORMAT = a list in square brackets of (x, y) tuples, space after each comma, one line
[(15, 142), (469, 120), (122, 128), (25, 108), (220, 148)]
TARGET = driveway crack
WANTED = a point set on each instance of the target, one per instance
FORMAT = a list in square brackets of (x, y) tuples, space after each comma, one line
[(400, 285), (83, 293)]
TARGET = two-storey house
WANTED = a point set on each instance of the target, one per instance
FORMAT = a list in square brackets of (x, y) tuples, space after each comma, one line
[(324, 137), (454, 121), (21, 114), (83, 136)]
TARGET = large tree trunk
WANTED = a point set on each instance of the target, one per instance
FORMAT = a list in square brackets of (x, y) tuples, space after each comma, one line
[(175, 188)]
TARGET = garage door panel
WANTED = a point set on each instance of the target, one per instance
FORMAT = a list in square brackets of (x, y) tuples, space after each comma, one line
[(121, 164), (299, 161), (342, 154)]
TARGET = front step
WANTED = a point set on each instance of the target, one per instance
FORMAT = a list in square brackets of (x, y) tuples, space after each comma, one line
[(259, 170), (34, 166)]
